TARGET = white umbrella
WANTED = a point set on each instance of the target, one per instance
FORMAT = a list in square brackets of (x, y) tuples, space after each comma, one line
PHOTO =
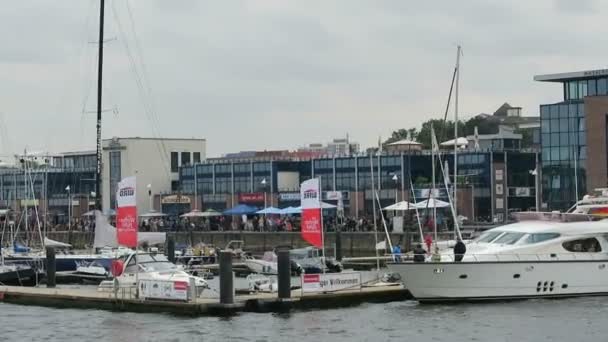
[(152, 213), (198, 213), (401, 206), (432, 203), (270, 211)]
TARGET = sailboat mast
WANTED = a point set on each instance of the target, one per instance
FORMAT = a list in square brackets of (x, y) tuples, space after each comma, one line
[(455, 184), (99, 104)]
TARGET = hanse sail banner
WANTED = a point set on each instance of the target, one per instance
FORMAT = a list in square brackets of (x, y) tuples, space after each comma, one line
[(126, 213), (312, 228)]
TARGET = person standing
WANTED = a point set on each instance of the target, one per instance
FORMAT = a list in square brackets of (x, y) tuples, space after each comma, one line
[(459, 250), (419, 253)]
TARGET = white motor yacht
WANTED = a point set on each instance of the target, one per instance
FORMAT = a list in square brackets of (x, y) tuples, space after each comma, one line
[(543, 255)]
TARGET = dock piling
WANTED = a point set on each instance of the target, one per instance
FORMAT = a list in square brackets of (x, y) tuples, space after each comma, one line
[(284, 273), (171, 249), (226, 278), (338, 243), (51, 267)]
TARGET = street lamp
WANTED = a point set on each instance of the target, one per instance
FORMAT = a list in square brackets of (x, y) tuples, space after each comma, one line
[(67, 188), (396, 180), (149, 186), (263, 182), (536, 192)]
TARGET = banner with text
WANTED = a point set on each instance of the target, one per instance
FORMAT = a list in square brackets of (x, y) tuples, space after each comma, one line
[(312, 226), (126, 213), (329, 282)]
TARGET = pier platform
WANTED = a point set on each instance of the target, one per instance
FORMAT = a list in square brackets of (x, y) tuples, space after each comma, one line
[(90, 298)]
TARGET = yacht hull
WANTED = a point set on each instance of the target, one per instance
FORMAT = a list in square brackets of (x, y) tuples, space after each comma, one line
[(478, 281)]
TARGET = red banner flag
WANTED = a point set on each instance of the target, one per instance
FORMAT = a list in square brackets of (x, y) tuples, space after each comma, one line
[(312, 225), (126, 213)]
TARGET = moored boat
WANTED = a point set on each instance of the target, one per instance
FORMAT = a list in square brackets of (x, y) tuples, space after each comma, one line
[(557, 255)]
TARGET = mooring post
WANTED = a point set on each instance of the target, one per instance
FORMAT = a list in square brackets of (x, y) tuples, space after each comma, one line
[(284, 273), (171, 249), (226, 278), (51, 267), (338, 243)]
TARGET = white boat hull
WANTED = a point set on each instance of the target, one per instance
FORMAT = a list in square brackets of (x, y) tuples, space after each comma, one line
[(262, 266), (470, 281)]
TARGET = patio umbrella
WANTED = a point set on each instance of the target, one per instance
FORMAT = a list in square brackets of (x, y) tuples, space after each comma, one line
[(291, 210), (270, 211), (401, 206), (152, 213), (198, 213), (432, 203), (241, 209)]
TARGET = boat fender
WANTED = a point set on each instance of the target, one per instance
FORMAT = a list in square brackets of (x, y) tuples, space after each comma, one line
[(117, 268)]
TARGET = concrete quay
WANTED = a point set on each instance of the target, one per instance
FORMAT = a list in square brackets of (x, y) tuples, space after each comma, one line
[(90, 298)]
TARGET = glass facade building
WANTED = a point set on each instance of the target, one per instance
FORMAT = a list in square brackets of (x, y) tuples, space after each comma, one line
[(221, 183), (564, 141)]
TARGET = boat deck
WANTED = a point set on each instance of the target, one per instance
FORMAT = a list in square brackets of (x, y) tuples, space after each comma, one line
[(90, 298)]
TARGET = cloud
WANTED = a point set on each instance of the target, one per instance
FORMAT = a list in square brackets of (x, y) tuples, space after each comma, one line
[(278, 73)]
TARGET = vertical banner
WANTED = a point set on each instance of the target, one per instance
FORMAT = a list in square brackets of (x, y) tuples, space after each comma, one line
[(311, 212), (126, 213)]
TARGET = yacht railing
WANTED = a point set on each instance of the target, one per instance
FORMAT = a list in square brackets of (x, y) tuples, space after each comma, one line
[(515, 257)]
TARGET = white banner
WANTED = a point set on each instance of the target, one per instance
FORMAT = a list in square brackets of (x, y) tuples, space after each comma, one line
[(163, 289), (333, 195), (125, 195), (330, 282), (309, 192)]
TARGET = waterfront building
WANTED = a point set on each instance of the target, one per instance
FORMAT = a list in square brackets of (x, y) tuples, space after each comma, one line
[(155, 162), (573, 137), (492, 182)]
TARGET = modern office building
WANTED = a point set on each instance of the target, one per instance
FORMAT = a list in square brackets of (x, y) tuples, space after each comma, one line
[(492, 183), (573, 137)]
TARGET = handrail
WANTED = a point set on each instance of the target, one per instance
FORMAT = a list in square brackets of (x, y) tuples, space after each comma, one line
[(502, 257)]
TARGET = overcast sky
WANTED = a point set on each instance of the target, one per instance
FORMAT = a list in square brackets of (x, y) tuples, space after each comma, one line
[(278, 74)]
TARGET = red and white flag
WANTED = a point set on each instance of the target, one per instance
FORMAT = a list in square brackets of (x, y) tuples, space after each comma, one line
[(312, 227), (126, 213)]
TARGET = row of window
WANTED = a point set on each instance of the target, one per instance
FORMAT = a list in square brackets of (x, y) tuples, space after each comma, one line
[(562, 153), (563, 125), (187, 158), (561, 110), (576, 90), (563, 139)]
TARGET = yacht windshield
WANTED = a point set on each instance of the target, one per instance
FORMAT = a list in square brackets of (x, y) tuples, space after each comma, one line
[(489, 236), (155, 262), (509, 238), (540, 237)]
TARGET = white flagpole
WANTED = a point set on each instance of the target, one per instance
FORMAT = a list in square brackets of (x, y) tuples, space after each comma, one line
[(371, 167), (322, 227)]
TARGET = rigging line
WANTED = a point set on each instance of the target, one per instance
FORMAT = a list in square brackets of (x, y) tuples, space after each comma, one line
[(146, 79), (140, 87)]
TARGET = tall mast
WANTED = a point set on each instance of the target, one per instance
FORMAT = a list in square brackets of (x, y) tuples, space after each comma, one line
[(455, 184), (99, 93)]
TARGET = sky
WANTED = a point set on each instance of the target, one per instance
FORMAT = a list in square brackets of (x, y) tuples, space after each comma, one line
[(278, 74)]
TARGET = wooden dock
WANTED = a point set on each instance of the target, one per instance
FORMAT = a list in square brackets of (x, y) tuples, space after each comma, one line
[(90, 298)]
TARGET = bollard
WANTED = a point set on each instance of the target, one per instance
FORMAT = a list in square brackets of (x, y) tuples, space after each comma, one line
[(284, 272), (171, 249), (226, 278), (51, 267), (338, 244)]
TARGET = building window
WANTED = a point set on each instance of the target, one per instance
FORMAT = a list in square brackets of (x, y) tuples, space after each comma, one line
[(185, 158), (115, 176), (174, 162), (196, 156)]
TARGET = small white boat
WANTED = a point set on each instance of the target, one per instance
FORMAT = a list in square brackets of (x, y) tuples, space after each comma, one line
[(556, 255), (150, 266), (266, 265)]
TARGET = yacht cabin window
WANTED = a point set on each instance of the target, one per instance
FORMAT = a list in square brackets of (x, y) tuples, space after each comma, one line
[(509, 238), (489, 236), (588, 245), (540, 237)]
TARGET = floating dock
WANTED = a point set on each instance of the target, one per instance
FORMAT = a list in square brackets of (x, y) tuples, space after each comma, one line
[(90, 298)]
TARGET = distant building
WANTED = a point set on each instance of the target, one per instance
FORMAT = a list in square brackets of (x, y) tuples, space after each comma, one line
[(509, 116), (155, 161), (404, 145), (337, 147)]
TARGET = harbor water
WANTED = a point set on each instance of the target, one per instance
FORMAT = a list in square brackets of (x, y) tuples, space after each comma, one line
[(582, 319)]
